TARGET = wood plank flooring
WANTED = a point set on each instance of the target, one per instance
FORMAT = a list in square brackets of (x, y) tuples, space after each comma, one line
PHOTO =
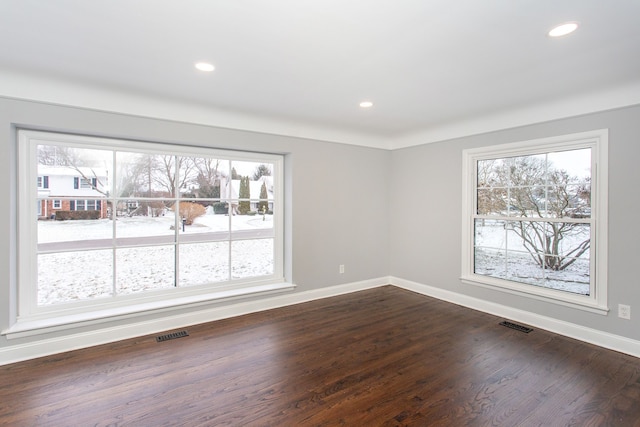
[(382, 357)]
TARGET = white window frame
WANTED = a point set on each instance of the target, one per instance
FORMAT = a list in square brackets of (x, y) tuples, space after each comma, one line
[(597, 140), (57, 204), (31, 319)]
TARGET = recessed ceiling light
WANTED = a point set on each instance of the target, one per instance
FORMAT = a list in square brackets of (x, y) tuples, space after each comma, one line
[(204, 66), (563, 30), (366, 104)]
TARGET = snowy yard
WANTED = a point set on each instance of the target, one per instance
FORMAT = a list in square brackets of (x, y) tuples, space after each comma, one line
[(88, 274), (501, 254), (140, 226)]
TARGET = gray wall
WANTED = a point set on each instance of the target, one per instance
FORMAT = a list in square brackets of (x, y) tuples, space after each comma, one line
[(335, 193), (426, 205), (378, 212)]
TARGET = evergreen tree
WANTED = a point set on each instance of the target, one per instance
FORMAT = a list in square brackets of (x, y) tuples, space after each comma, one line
[(261, 170), (244, 193), (234, 174), (207, 189), (263, 206)]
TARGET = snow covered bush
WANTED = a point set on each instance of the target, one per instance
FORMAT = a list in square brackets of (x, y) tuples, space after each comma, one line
[(190, 211)]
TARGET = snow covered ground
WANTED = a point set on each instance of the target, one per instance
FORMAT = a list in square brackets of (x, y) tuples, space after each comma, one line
[(139, 226), (82, 275), (516, 264)]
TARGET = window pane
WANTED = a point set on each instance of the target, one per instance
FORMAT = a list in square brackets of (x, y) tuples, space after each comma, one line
[(527, 201), (204, 263), (490, 173), (523, 268), (203, 177), (575, 163), (492, 201), (490, 233), (521, 236), (75, 170), (74, 276), (145, 175), (250, 188), (528, 171), (253, 225), (146, 222), (573, 240), (74, 234), (252, 258), (254, 170), (501, 253), (185, 177), (574, 278), (569, 201), (490, 262), (206, 227), (144, 269)]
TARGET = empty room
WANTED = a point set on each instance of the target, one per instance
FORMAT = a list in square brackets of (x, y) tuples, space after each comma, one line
[(319, 213)]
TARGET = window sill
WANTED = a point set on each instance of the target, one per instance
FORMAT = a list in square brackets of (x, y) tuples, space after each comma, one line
[(578, 302), (32, 327)]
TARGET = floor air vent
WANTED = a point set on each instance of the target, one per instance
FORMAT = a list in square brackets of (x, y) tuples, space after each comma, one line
[(516, 327), (172, 336)]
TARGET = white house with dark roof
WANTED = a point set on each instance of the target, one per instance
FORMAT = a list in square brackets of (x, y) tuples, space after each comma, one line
[(62, 188)]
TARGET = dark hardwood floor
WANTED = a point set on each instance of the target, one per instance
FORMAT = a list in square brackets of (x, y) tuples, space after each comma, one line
[(383, 357)]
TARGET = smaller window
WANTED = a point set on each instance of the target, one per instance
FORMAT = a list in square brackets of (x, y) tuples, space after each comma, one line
[(535, 219), (85, 183), (57, 204), (85, 205), (93, 205), (42, 182)]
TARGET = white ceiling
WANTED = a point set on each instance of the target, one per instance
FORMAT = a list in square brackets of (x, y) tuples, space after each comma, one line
[(434, 68)]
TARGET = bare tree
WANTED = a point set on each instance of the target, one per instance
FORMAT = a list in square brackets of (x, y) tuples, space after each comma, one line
[(132, 175), (172, 173), (48, 155), (530, 187), (208, 177)]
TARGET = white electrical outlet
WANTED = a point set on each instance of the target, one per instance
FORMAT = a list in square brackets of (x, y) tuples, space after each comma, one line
[(624, 311), (341, 269)]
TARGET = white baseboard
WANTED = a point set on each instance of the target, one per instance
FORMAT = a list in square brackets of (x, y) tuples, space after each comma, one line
[(592, 336), (49, 346), (73, 341)]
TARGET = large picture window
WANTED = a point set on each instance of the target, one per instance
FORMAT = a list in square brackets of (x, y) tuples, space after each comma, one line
[(142, 225), (535, 220)]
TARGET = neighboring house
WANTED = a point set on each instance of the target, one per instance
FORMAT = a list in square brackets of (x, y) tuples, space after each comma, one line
[(62, 188), (254, 191)]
